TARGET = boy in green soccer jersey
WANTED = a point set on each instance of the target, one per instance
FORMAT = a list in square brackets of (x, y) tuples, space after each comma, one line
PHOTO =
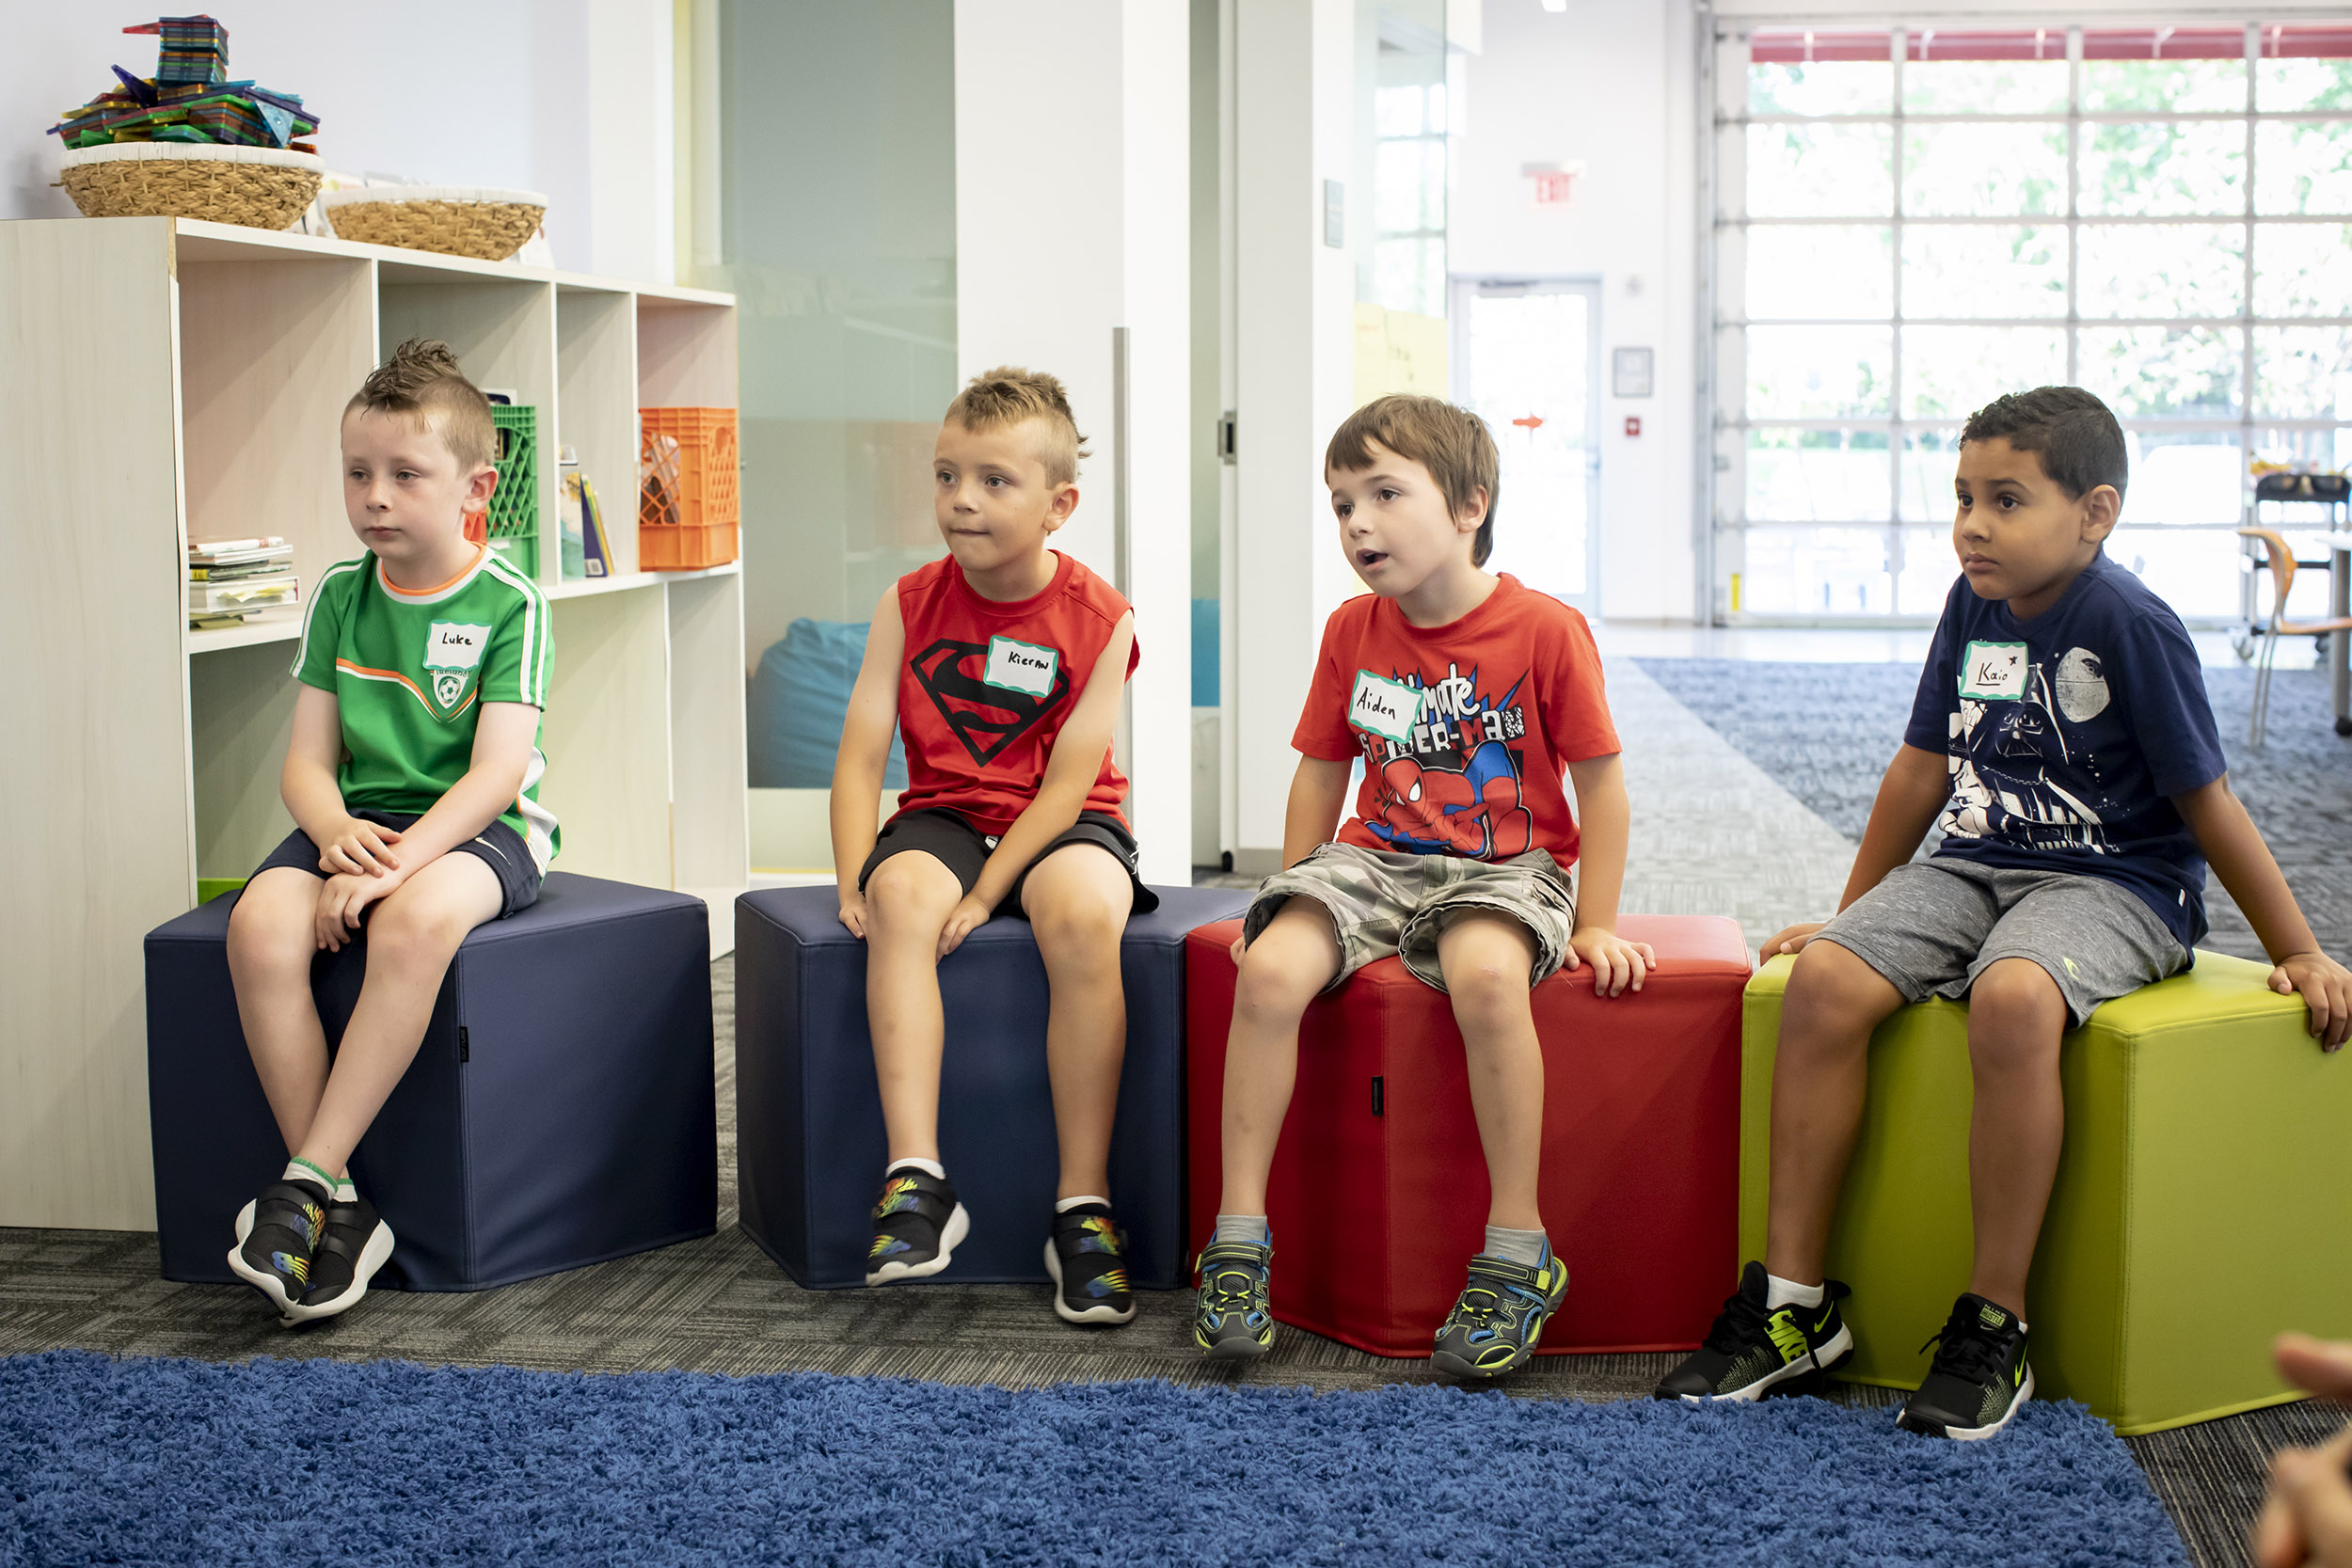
[(413, 778)]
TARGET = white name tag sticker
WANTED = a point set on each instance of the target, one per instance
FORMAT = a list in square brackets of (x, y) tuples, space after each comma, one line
[(1385, 708), (1994, 672), (449, 645), (1020, 666)]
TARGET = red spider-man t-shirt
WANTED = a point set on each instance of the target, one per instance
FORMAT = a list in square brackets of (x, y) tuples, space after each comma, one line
[(1466, 730), (988, 686)]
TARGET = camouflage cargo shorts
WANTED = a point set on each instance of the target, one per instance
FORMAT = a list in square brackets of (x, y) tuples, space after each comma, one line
[(1382, 902)]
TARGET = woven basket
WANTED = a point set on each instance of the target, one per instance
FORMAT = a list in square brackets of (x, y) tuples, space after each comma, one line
[(455, 220), (262, 187)]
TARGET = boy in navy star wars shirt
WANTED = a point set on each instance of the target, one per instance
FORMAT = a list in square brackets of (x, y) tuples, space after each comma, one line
[(2062, 740)]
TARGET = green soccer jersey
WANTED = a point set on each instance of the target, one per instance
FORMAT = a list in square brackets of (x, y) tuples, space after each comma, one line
[(408, 672)]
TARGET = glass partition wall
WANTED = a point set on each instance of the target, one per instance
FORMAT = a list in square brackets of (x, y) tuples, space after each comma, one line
[(1911, 221), (835, 230)]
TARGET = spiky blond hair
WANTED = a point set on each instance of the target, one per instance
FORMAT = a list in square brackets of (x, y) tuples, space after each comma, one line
[(1009, 395), (422, 379)]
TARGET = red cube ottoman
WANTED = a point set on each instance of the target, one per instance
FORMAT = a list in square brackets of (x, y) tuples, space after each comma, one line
[(1378, 1196)]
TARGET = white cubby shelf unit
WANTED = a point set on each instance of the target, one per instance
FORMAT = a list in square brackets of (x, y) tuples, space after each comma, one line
[(165, 380)]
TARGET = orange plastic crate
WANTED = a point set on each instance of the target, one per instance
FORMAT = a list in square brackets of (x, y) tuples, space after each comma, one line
[(688, 512)]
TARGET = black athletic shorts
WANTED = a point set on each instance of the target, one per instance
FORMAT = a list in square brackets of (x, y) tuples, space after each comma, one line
[(951, 839), (500, 847)]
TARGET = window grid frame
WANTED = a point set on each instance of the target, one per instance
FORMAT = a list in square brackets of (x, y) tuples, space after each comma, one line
[(1729, 417)]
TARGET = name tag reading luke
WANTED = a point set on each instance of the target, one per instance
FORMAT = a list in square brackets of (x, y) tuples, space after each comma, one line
[(1385, 708), (449, 645), (1022, 667), (1994, 672)]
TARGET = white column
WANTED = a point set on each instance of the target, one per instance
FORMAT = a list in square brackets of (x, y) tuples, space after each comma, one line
[(1071, 219), (1294, 346)]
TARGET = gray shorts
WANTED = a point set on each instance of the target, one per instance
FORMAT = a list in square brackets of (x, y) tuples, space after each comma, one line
[(1383, 902), (1934, 926)]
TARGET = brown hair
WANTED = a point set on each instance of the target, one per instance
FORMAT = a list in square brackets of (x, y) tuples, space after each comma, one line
[(1452, 443), (422, 378), (1006, 396)]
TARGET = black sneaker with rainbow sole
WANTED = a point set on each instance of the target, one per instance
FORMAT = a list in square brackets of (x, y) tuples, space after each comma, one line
[(1753, 1349), (1979, 1376), (277, 1233), (1086, 1257), (353, 1244)]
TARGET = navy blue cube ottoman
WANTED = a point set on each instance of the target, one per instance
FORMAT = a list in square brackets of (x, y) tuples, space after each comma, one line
[(809, 1125), (558, 1113)]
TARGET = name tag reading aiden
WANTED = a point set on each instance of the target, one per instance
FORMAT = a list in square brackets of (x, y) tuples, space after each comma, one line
[(1022, 667), (1994, 672), (449, 645), (1385, 708)]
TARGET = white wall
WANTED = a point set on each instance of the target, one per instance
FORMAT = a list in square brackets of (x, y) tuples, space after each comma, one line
[(571, 98), (1609, 85), (1067, 226)]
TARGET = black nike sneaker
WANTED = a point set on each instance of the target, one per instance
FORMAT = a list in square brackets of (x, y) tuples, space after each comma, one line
[(1753, 1348), (1086, 1256), (1500, 1315), (354, 1244), (917, 1225), (1231, 1319), (1979, 1376), (276, 1235)]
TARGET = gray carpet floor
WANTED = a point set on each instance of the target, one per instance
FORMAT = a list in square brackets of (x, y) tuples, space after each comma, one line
[(1721, 823)]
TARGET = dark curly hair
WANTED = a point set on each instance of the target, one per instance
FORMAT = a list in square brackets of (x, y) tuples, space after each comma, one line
[(2079, 442)]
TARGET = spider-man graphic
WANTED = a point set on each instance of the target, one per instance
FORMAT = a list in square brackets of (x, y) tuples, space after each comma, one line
[(1473, 811)]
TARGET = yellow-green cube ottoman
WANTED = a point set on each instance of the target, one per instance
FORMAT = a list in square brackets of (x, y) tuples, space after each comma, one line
[(2203, 1202)]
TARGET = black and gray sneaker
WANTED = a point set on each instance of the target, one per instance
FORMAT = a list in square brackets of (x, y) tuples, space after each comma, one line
[(355, 1245), (1979, 1376), (1230, 1320), (1752, 1349), (917, 1225), (1086, 1257), (1500, 1315), (277, 1233)]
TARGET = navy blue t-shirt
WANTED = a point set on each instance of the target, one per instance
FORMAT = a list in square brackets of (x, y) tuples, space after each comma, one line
[(2068, 735)]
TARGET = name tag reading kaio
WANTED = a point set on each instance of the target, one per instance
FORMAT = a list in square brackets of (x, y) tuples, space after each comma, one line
[(1994, 672), (1385, 708), (1020, 666)]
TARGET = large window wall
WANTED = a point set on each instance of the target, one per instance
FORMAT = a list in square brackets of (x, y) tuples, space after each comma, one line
[(1911, 221)]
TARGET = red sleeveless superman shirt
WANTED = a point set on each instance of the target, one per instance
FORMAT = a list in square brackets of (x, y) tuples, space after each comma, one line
[(988, 686)]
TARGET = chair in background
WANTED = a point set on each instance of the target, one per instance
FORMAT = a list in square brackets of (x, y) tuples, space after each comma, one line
[(2281, 562)]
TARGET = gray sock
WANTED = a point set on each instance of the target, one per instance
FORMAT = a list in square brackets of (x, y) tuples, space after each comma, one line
[(1242, 1228), (1521, 1246)]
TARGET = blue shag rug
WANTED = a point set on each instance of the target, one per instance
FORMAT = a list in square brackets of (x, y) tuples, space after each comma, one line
[(298, 1462)]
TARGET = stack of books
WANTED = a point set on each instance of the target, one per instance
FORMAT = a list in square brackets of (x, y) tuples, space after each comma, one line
[(232, 580)]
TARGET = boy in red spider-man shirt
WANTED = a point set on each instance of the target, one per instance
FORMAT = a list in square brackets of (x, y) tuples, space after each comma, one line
[(1465, 694)]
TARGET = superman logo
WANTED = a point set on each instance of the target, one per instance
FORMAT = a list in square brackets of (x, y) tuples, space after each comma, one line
[(987, 719)]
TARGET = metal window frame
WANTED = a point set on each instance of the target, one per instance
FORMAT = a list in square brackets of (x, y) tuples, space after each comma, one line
[(1722, 514)]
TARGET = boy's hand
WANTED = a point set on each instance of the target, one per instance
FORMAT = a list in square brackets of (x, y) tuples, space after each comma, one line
[(1794, 938), (2326, 988), (360, 847), (968, 914), (1616, 962), (341, 899), (2308, 1516), (853, 913)]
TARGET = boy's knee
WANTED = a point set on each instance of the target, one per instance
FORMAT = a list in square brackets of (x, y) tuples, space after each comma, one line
[(270, 933), (1832, 984), (903, 891), (405, 932), (2016, 1013), (1074, 927), (1269, 987), (1487, 994)]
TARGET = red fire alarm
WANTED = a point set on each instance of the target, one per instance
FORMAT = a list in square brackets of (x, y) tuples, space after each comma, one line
[(1634, 424)]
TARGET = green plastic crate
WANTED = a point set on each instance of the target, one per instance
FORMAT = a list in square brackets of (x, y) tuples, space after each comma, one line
[(514, 515)]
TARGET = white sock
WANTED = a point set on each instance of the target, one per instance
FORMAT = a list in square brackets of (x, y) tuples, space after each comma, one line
[(345, 1192), (932, 1169), (299, 1170), (1243, 1228), (1063, 1205), (1521, 1246), (1785, 1292)]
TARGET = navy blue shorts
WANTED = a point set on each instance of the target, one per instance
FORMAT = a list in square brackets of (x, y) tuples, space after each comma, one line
[(949, 837), (500, 847)]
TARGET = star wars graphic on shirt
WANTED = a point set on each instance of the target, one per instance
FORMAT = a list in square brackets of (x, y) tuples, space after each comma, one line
[(1443, 769), (2018, 723)]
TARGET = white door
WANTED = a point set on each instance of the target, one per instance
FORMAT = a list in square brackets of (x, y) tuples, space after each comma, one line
[(1527, 360)]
